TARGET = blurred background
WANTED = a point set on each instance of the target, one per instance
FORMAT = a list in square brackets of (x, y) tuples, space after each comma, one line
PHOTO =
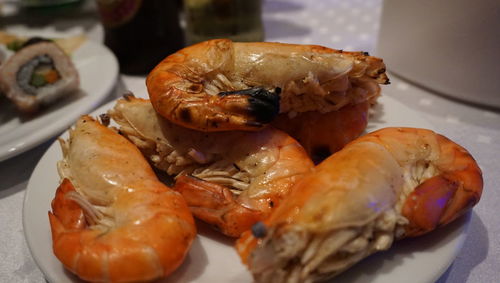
[(349, 25)]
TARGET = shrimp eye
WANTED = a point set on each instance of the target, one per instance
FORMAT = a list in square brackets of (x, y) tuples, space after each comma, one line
[(259, 230)]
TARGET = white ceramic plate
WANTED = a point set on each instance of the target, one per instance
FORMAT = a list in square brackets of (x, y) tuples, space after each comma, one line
[(98, 69), (212, 257)]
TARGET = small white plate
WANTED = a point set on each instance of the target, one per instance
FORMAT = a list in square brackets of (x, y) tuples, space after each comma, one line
[(98, 70), (213, 258)]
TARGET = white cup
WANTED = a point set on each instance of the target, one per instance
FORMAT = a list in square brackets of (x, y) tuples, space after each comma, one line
[(449, 46)]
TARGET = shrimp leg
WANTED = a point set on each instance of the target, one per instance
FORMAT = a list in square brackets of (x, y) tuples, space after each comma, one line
[(216, 204)]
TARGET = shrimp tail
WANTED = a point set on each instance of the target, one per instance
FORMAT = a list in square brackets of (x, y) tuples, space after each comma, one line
[(427, 203), (249, 108), (215, 204), (69, 214), (263, 105), (443, 198), (67, 223)]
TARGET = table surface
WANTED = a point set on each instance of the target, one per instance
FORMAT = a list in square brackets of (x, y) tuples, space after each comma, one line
[(341, 24)]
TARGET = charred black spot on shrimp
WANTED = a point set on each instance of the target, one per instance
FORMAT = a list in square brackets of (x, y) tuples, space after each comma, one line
[(185, 115), (128, 95), (105, 119), (196, 88), (263, 105)]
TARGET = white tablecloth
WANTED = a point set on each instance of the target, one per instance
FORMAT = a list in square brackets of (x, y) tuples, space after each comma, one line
[(342, 24)]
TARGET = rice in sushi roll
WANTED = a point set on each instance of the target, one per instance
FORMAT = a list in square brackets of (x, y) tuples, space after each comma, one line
[(38, 74)]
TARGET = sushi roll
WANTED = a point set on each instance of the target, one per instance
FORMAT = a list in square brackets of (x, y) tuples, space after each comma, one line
[(38, 74)]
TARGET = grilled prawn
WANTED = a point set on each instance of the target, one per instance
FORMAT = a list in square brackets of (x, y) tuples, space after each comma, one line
[(111, 219), (387, 185), (323, 134), (220, 85), (229, 179)]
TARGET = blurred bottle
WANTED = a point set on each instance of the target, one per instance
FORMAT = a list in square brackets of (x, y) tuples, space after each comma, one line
[(141, 32), (239, 20), (46, 3)]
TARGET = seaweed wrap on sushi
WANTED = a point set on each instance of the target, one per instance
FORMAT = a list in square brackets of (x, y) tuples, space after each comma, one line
[(38, 74)]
